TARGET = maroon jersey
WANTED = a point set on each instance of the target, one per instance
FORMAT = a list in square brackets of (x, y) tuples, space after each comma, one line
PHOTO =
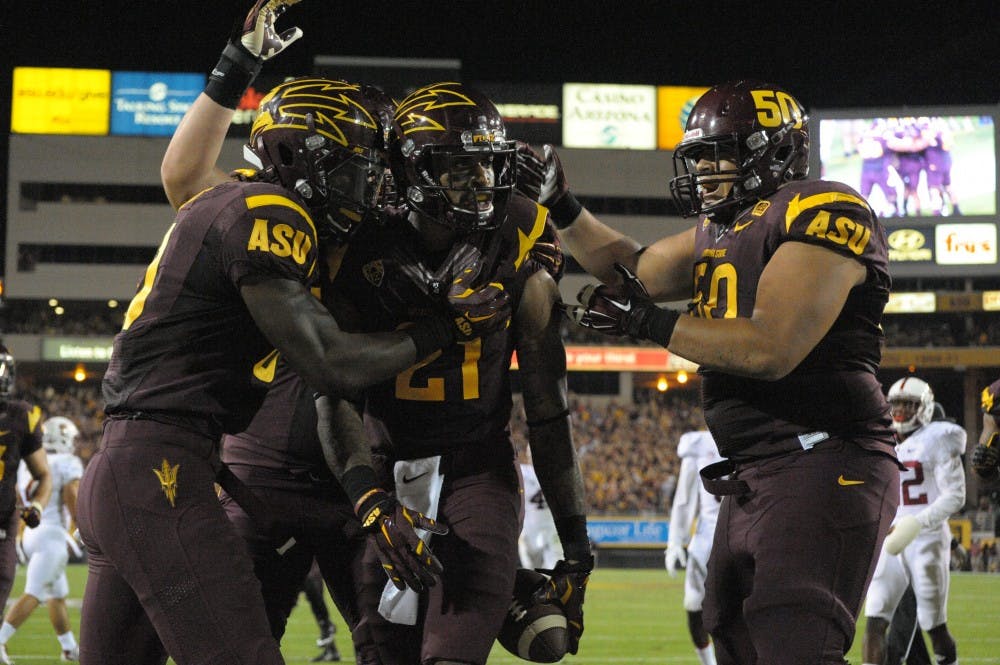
[(281, 438), (988, 400), (189, 349), (20, 435), (834, 389), (459, 397)]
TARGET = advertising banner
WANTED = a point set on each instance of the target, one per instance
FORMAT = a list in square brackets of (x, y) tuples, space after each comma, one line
[(599, 115), (47, 100), (674, 104), (532, 112), (151, 103)]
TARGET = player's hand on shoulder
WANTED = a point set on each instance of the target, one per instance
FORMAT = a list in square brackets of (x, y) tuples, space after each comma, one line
[(614, 310), (530, 171), (567, 586)]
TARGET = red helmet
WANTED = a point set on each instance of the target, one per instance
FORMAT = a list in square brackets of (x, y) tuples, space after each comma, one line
[(759, 127), (324, 140), (450, 156)]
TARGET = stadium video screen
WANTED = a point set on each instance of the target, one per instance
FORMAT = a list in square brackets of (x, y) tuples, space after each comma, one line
[(919, 165)]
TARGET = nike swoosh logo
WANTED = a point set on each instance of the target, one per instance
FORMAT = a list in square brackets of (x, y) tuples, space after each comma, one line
[(476, 319), (739, 227), (625, 307), (419, 475), (844, 482)]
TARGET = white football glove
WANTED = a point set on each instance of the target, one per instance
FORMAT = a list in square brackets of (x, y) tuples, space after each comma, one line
[(259, 36), (674, 557), (902, 534)]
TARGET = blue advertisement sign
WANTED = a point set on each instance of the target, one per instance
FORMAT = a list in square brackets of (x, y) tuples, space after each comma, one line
[(629, 532), (151, 103)]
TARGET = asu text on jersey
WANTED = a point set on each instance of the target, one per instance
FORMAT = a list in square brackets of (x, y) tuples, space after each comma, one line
[(189, 345)]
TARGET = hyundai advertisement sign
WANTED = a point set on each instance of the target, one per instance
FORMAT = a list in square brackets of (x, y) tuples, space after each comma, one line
[(150, 103)]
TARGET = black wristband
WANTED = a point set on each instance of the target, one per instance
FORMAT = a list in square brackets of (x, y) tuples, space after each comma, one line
[(430, 335), (232, 75), (565, 211), (572, 532), (658, 325), (359, 482)]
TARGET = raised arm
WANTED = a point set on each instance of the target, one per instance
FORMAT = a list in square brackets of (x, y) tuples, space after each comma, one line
[(189, 164)]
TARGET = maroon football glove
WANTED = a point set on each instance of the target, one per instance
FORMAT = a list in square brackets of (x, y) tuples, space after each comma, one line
[(530, 171), (478, 311), (32, 514), (566, 587), (407, 560), (986, 457), (554, 187), (548, 252), (613, 310)]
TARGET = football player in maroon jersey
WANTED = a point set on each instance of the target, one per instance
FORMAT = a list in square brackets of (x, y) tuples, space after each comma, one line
[(440, 430), (790, 278), (277, 455), (20, 439), (226, 295), (986, 456)]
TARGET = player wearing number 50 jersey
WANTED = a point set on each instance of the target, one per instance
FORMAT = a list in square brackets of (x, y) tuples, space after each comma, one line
[(787, 279), (918, 550)]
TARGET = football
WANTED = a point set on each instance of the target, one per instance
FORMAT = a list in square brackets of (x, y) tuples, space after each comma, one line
[(533, 631)]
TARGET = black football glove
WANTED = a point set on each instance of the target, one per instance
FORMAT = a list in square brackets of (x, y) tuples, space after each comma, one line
[(986, 457), (530, 171), (407, 560), (32, 514), (614, 310), (478, 311), (566, 587)]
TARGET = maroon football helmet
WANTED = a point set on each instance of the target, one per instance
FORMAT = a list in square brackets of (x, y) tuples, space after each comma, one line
[(758, 126), (450, 157), (324, 140)]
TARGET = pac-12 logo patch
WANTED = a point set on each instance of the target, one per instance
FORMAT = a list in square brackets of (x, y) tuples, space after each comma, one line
[(374, 272)]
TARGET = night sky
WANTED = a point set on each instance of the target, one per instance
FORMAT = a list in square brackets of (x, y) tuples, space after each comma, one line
[(829, 54)]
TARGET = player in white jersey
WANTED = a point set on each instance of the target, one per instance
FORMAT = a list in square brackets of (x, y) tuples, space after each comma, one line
[(538, 544), (693, 505), (917, 551), (46, 546)]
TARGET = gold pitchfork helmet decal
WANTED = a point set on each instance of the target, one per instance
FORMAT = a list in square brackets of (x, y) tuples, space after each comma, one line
[(168, 480)]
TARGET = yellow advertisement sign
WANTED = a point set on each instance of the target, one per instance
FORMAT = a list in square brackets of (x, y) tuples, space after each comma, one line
[(674, 103), (60, 101)]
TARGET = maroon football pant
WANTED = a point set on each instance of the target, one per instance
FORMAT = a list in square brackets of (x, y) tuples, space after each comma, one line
[(324, 528), (164, 578), (8, 555), (793, 557), (461, 615)]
